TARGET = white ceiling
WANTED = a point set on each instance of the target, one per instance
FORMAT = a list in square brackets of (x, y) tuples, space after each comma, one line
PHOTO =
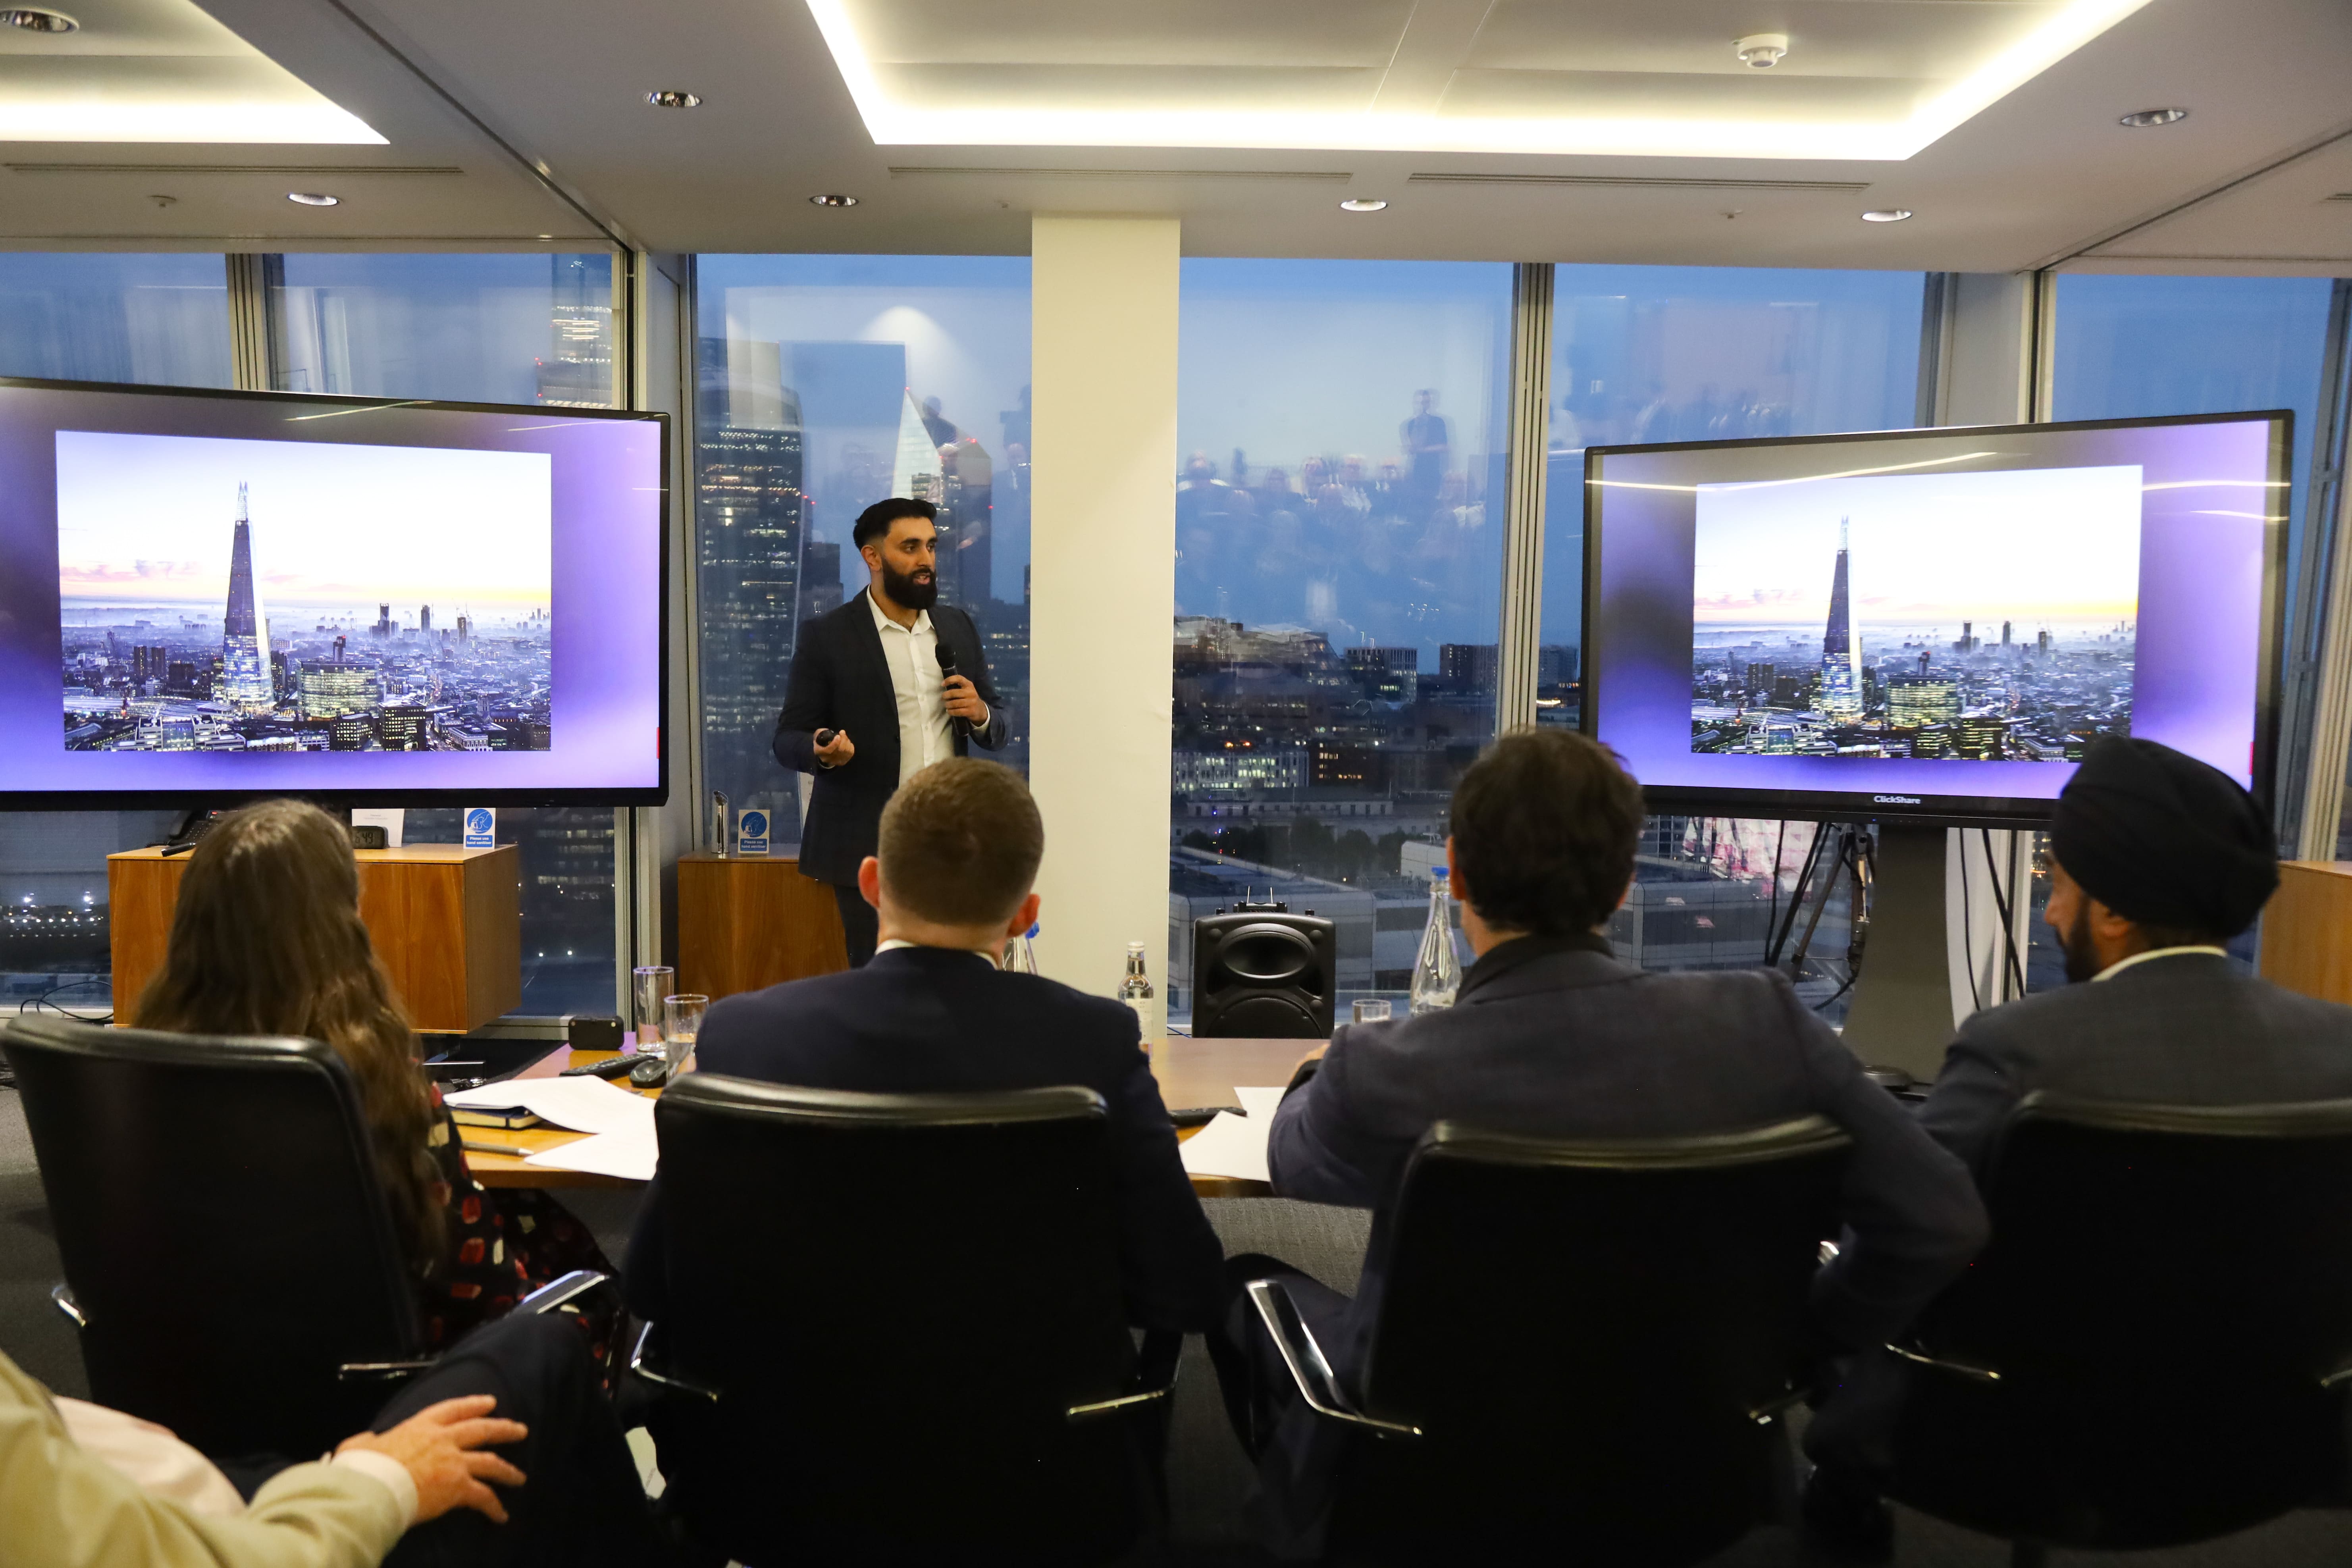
[(1860, 78), (157, 70), (506, 123)]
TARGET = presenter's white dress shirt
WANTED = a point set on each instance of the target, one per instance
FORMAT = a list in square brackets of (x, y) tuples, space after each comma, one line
[(913, 655)]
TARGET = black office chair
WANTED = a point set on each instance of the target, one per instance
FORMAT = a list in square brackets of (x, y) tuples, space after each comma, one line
[(228, 1249), (1584, 1348), (908, 1341), (2150, 1351)]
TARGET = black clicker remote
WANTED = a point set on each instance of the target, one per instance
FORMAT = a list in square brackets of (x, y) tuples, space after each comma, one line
[(611, 1067)]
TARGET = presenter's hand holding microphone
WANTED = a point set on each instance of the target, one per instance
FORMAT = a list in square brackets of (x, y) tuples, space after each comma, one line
[(963, 703)]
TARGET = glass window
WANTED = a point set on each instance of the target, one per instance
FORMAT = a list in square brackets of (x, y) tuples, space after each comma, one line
[(161, 319), (489, 328), (826, 384), (485, 329), (2135, 345), (1691, 353), (1342, 430)]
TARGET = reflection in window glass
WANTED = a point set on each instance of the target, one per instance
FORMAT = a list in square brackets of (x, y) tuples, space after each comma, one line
[(160, 319), (2131, 346), (826, 384), (1338, 569), (1684, 354), (485, 329)]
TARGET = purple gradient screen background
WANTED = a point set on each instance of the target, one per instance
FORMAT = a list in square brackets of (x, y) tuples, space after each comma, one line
[(605, 611), (2205, 545)]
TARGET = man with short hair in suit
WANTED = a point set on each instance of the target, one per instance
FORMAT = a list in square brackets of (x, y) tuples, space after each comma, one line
[(2156, 861), (1552, 1035), (933, 1014), (868, 677)]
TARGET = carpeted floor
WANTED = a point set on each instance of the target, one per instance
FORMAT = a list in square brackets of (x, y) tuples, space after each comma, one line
[(1207, 1476)]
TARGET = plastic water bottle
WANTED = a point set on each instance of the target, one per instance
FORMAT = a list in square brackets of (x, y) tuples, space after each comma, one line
[(1020, 957), (1436, 970), (1136, 989)]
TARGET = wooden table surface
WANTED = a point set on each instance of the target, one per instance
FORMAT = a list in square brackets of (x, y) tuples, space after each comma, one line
[(1192, 1074)]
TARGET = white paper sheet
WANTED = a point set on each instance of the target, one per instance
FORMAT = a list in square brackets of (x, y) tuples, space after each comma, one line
[(583, 1104), (1258, 1104), (1228, 1145), (630, 1155)]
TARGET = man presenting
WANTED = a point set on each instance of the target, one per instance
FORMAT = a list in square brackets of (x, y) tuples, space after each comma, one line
[(889, 683)]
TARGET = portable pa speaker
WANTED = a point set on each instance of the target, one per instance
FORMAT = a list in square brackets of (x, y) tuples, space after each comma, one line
[(1262, 976)]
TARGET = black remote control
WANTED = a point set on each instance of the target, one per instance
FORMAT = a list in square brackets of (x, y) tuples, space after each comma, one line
[(612, 1067)]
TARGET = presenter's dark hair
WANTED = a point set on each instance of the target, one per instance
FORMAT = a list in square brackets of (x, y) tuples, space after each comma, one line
[(875, 521), (960, 843), (1545, 826), (267, 939)]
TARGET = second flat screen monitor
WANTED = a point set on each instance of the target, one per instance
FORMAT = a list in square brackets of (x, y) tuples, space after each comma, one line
[(1933, 624)]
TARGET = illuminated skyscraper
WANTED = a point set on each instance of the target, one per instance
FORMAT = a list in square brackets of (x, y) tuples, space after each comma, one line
[(245, 638), (1841, 647)]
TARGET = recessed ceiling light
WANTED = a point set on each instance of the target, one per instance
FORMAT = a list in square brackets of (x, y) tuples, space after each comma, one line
[(833, 201), (674, 99), (1886, 215), (1363, 205), (2141, 119), (313, 199), (33, 21)]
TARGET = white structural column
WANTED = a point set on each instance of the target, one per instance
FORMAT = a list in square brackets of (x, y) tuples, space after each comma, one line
[(1102, 588)]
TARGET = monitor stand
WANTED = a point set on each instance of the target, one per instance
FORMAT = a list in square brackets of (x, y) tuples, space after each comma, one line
[(1901, 1015)]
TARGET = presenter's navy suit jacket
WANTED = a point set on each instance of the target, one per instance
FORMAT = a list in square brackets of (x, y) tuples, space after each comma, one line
[(932, 1021), (839, 680)]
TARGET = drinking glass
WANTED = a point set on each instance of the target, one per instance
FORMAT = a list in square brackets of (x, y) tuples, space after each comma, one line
[(681, 1021), (651, 984), (1371, 1009)]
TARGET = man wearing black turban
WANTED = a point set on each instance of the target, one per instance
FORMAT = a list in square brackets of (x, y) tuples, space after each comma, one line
[(2155, 862)]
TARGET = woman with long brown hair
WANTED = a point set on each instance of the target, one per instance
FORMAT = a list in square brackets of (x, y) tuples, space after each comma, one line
[(267, 939)]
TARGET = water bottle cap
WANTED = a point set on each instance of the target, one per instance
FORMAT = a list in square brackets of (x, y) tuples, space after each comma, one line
[(1033, 931), (1437, 870)]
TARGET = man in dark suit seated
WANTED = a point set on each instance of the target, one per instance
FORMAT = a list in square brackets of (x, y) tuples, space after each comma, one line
[(932, 1013), (1551, 1035), (2156, 861)]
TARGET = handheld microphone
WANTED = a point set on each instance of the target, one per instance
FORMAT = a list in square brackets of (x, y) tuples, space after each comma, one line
[(947, 669)]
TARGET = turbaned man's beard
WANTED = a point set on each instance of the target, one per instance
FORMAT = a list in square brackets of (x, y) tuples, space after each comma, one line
[(916, 590), (2082, 959)]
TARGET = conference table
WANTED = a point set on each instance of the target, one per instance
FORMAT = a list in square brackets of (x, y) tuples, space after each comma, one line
[(1194, 1075)]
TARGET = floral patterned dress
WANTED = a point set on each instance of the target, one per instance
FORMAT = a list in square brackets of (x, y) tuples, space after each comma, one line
[(502, 1247)]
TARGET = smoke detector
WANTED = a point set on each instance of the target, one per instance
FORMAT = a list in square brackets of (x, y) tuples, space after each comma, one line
[(1762, 50)]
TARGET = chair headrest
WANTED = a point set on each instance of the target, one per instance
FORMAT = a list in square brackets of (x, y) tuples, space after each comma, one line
[(721, 1095), (1454, 1141), (2309, 1119), (72, 1036)]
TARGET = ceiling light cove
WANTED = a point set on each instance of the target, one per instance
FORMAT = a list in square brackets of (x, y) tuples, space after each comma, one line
[(1875, 81), (161, 70)]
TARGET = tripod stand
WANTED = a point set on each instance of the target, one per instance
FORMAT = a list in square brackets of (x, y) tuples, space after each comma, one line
[(1846, 849)]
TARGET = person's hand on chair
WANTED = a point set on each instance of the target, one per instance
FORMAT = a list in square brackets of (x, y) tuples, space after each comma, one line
[(442, 1446)]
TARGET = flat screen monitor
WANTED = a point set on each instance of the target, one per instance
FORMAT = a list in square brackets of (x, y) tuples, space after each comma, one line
[(1933, 624), (209, 596)]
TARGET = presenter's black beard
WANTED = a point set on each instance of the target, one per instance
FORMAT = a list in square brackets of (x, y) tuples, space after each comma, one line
[(914, 593)]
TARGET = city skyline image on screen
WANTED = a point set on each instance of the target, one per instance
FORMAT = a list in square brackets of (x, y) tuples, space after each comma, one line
[(226, 595), (1873, 617)]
